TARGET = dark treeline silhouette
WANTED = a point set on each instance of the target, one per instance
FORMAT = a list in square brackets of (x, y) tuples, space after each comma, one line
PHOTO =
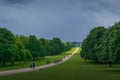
[(22, 48), (102, 45), (77, 44)]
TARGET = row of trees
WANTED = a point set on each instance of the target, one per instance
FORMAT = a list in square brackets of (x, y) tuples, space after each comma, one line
[(102, 45), (21, 48)]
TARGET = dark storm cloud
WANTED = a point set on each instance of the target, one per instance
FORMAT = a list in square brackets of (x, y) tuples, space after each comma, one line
[(14, 1), (71, 20)]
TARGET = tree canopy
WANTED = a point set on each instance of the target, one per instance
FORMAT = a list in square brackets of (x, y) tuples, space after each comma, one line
[(21, 48), (102, 45)]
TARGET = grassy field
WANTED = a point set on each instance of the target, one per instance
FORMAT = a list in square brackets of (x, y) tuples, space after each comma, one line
[(74, 69), (37, 63)]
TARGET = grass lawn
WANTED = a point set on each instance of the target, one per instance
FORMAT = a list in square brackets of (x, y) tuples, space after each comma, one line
[(74, 69), (37, 63)]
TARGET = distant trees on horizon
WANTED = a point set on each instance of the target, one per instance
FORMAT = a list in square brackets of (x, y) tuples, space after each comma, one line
[(22, 48), (102, 45)]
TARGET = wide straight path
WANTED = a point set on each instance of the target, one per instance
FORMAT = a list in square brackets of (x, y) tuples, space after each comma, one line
[(2, 73)]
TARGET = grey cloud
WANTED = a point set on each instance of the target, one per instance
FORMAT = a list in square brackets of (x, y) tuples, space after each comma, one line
[(15, 1), (71, 20)]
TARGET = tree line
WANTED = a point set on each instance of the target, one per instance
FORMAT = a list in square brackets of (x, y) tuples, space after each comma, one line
[(102, 45), (23, 48)]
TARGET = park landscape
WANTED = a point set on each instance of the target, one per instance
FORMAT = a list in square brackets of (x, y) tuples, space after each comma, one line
[(82, 65), (59, 40)]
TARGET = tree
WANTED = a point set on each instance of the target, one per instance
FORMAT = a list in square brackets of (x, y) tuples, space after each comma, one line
[(21, 49), (7, 42), (33, 46), (91, 43), (28, 55), (44, 45), (102, 45)]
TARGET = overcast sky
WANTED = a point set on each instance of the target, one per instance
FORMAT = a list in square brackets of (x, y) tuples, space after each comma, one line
[(70, 20)]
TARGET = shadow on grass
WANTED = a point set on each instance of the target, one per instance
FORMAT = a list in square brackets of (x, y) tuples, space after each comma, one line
[(113, 71)]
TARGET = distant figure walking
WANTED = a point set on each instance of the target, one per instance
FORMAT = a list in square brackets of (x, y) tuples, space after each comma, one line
[(32, 64)]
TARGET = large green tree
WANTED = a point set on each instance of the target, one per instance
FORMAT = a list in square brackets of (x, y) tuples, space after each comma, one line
[(7, 42), (91, 43), (34, 47), (103, 45)]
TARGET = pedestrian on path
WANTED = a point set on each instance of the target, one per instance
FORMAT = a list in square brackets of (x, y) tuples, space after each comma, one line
[(33, 64)]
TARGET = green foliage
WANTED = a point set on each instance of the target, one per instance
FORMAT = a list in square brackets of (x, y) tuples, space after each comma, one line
[(102, 45), (21, 48), (7, 42), (91, 43)]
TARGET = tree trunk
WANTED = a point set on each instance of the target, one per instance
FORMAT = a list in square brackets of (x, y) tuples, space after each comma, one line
[(110, 64), (12, 62), (19, 61), (4, 63)]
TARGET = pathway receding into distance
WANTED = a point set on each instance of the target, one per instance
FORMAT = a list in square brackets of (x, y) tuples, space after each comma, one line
[(2, 73)]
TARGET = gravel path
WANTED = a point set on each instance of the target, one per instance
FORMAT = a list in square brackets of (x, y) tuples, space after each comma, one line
[(2, 73)]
